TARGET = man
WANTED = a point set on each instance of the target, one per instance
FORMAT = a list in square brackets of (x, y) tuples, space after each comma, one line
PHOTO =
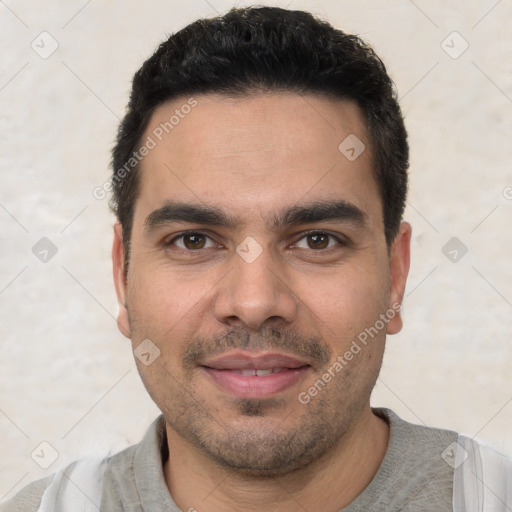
[(260, 259)]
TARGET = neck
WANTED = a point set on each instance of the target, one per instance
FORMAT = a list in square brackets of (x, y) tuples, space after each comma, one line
[(329, 483)]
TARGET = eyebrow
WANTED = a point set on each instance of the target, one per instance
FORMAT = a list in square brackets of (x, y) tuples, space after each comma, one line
[(319, 211)]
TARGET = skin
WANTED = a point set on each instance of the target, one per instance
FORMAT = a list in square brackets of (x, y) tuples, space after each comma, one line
[(251, 157)]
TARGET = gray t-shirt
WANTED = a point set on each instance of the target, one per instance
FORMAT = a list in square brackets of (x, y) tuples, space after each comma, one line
[(413, 476)]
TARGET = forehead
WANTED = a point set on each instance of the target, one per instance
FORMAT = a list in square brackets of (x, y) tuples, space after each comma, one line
[(250, 153)]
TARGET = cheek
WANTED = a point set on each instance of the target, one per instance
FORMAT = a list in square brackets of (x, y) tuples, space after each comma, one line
[(164, 298), (345, 301), (164, 310)]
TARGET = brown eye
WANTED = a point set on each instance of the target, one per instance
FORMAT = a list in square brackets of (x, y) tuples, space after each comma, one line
[(194, 241), (318, 241)]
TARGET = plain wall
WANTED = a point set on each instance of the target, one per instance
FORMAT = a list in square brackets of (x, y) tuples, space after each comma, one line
[(67, 375)]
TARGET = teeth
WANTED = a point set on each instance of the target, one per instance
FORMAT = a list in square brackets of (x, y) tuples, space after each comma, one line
[(258, 373)]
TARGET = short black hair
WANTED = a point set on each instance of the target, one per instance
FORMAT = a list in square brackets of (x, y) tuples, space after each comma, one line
[(266, 49)]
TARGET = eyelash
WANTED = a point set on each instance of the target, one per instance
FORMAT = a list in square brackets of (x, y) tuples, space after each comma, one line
[(340, 242), (185, 233)]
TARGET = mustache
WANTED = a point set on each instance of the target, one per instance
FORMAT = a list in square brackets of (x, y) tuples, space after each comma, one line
[(281, 340)]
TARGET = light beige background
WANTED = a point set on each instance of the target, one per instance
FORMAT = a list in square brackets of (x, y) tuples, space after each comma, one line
[(67, 376)]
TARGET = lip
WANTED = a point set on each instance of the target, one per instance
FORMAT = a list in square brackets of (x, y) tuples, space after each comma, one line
[(238, 360), (290, 371)]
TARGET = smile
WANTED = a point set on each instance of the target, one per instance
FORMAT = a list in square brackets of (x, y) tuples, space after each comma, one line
[(255, 375), (258, 373)]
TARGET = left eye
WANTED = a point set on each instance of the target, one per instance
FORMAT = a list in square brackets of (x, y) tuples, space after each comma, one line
[(192, 241), (317, 240)]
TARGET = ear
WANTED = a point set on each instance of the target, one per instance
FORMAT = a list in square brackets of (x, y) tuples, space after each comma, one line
[(120, 280), (399, 262)]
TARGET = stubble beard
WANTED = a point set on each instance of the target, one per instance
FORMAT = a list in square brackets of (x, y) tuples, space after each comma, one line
[(260, 443), (256, 449)]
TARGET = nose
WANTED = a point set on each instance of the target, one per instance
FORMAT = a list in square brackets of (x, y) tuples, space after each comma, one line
[(255, 294)]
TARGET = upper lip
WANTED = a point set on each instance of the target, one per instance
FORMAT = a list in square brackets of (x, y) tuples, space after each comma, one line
[(253, 361)]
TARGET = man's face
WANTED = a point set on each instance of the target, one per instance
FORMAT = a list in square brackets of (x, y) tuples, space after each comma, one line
[(258, 244)]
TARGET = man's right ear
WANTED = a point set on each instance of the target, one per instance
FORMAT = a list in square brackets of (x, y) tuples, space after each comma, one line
[(118, 265)]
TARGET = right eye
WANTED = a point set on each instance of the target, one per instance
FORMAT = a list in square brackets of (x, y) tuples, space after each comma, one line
[(192, 241)]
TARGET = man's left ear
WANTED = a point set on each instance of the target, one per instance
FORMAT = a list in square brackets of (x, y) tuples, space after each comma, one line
[(399, 262)]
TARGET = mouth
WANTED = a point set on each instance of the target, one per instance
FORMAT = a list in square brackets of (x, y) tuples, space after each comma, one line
[(252, 375)]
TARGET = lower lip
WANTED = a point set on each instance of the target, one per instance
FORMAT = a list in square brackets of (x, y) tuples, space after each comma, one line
[(252, 386)]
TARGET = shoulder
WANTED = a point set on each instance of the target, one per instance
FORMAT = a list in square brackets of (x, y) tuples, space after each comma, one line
[(415, 473), (80, 480), (429, 468), (427, 442), (100, 477), (78, 483), (29, 498), (483, 477)]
